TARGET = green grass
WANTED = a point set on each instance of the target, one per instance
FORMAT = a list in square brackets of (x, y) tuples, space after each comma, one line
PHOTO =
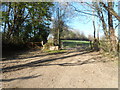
[(74, 43), (55, 51)]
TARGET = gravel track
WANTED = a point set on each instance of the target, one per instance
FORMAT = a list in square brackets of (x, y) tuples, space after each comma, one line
[(71, 69)]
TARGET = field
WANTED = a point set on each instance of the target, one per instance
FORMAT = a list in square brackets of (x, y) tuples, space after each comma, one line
[(75, 43)]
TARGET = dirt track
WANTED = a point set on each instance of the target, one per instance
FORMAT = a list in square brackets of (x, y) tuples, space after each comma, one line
[(71, 69)]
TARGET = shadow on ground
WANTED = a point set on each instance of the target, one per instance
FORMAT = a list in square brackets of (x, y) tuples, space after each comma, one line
[(22, 78), (45, 62), (88, 61), (12, 55), (38, 62), (42, 55), (15, 56)]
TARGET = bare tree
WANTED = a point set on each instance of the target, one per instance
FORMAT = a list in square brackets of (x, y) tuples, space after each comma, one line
[(61, 17), (111, 11)]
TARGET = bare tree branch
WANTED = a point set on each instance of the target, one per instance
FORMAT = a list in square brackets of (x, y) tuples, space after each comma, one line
[(111, 11), (84, 12), (117, 25)]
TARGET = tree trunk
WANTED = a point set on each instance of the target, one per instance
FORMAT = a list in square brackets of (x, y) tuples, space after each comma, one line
[(94, 29), (98, 32), (111, 29), (58, 27)]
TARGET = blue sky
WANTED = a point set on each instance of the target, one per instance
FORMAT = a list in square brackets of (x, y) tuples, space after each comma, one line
[(85, 23)]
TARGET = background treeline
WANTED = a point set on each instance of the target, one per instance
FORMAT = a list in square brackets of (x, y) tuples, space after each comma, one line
[(73, 35), (24, 22)]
